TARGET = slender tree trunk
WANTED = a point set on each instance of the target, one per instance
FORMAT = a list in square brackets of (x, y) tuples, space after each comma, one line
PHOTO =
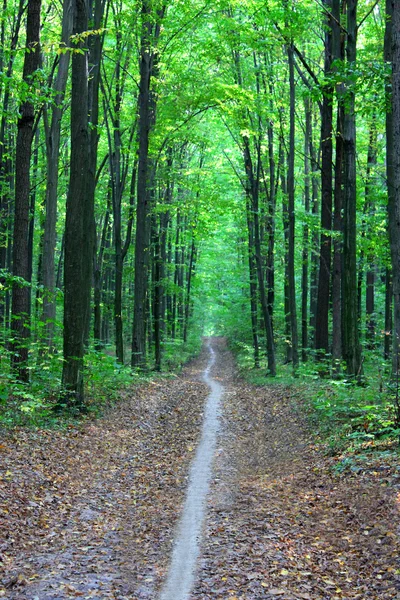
[(392, 162), (6, 165), (98, 277), (285, 222), (252, 194), (369, 210), (20, 324), (53, 137), (305, 254), (151, 24), (321, 326), (188, 297), (350, 333), (315, 177), (388, 314), (291, 191), (253, 285), (338, 52), (271, 215), (78, 260)]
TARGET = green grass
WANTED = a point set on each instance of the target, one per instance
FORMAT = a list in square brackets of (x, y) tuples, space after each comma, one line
[(344, 415)]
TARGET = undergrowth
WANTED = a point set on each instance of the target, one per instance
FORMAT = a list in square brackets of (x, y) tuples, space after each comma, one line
[(346, 416), (37, 404)]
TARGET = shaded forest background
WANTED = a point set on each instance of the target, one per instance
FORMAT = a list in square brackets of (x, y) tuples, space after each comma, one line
[(175, 169)]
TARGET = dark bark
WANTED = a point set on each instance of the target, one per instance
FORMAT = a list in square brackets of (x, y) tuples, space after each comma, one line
[(350, 333), (337, 244), (20, 324), (6, 165), (322, 312), (306, 233), (147, 105), (78, 259), (285, 222), (270, 225), (291, 215), (315, 179), (392, 163), (252, 187), (369, 209), (388, 314), (253, 284), (98, 276), (338, 48), (52, 138)]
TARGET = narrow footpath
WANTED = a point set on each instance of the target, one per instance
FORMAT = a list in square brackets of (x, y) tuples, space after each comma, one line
[(197, 487)]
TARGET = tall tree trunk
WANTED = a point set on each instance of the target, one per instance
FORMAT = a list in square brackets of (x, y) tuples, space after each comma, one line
[(20, 324), (291, 190), (315, 178), (321, 326), (370, 255), (305, 253), (338, 52), (271, 214), (6, 164), (350, 333), (393, 177), (98, 276), (52, 137), (253, 284), (78, 259), (151, 24), (390, 166), (252, 184), (285, 222), (337, 244)]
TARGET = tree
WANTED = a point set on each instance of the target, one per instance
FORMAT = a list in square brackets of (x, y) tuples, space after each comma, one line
[(79, 221), (151, 27), (20, 324), (350, 332)]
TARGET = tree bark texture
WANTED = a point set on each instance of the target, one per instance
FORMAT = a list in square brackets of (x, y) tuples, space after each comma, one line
[(78, 226), (53, 136), (20, 324), (350, 325), (147, 106), (322, 312)]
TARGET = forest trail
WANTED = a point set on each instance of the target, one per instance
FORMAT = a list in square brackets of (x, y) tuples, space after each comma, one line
[(92, 512)]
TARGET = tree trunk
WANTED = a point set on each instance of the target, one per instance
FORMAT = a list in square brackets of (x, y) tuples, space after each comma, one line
[(252, 194), (53, 136), (253, 284), (392, 161), (350, 333), (321, 325), (78, 225), (147, 105), (291, 232), (20, 324), (305, 254)]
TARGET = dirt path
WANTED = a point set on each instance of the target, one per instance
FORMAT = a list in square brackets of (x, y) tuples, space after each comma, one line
[(92, 512), (181, 573)]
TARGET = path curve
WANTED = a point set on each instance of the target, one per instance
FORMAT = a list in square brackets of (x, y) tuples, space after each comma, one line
[(181, 572)]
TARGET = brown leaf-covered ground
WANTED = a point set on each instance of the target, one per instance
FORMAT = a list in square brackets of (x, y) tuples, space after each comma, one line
[(280, 523), (91, 512)]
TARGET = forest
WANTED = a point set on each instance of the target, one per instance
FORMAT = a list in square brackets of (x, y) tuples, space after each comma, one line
[(199, 299), (172, 170)]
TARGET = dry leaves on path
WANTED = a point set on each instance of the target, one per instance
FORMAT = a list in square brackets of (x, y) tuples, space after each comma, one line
[(90, 512), (281, 523)]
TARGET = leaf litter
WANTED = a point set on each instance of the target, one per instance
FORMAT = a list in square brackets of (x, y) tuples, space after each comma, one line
[(91, 512)]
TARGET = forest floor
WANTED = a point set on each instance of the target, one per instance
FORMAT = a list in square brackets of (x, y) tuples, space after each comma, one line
[(90, 512)]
